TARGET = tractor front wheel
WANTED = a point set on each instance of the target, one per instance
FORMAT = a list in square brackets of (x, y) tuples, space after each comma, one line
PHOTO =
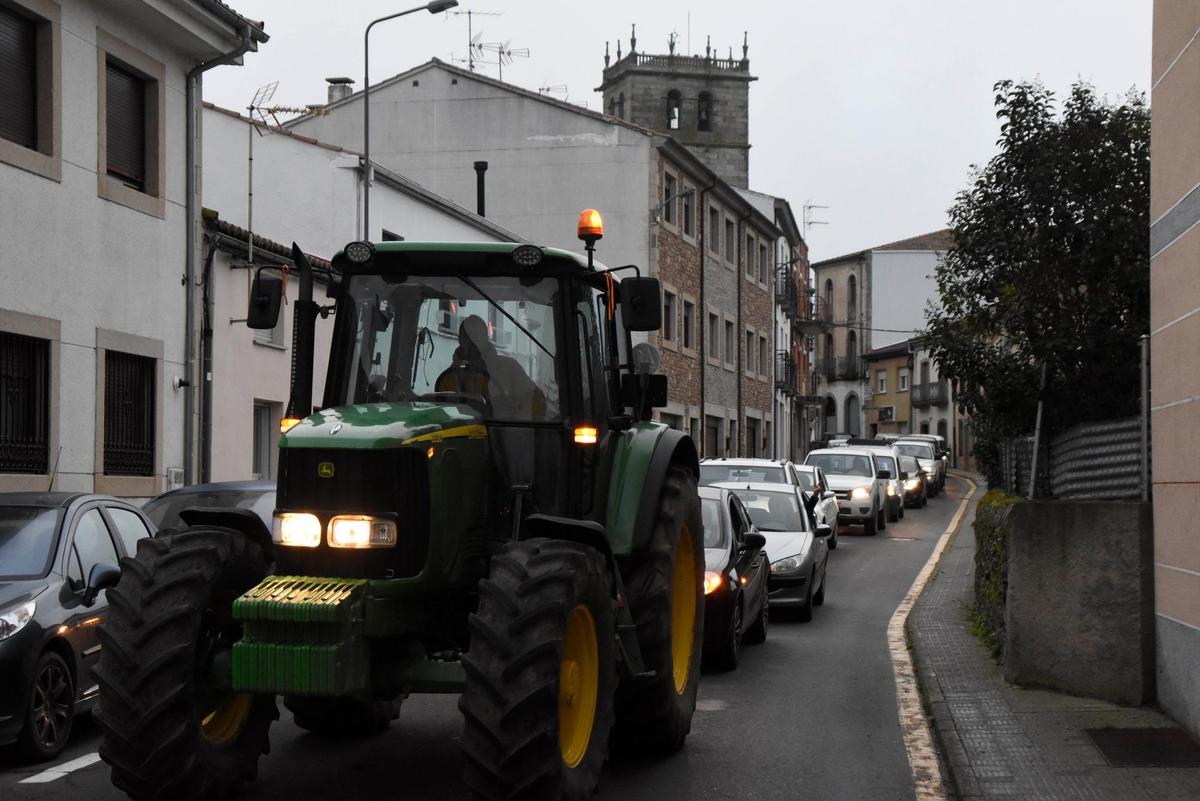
[(541, 672), (664, 590), (172, 726)]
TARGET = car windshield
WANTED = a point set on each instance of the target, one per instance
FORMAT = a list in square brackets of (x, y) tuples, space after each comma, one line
[(887, 463), (807, 480), (915, 449), (773, 511), (909, 464), (716, 473), (164, 510), (841, 464), (26, 541), (710, 513), (485, 340)]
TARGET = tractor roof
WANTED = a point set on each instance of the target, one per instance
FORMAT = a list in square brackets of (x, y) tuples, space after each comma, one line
[(482, 248)]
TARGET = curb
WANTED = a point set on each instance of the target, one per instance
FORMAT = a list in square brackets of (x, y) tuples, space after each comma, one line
[(918, 735)]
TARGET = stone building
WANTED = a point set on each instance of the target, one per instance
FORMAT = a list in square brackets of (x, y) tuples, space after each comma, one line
[(701, 101), (889, 389)]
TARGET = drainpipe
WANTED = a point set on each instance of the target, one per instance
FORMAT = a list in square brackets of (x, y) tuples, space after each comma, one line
[(206, 363), (190, 214), (480, 169), (702, 210)]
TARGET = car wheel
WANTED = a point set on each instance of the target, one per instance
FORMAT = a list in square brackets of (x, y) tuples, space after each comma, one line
[(806, 613), (819, 598), (51, 709), (900, 513), (871, 525), (883, 517), (728, 654), (893, 515)]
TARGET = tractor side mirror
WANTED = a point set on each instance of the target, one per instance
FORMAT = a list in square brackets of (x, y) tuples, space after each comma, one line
[(641, 304), (101, 577), (266, 295)]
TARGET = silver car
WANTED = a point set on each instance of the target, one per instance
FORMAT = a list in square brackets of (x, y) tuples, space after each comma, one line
[(822, 499), (861, 492), (925, 452)]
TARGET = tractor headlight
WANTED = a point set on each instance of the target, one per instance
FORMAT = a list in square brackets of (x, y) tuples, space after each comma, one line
[(16, 618), (861, 493), (361, 531), (298, 529)]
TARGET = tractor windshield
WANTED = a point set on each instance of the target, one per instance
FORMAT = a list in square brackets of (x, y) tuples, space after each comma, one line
[(489, 341)]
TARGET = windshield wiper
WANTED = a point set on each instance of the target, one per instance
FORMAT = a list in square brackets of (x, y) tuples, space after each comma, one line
[(504, 311)]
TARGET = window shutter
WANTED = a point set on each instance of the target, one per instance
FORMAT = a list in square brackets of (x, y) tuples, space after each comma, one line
[(18, 79), (129, 416), (126, 126)]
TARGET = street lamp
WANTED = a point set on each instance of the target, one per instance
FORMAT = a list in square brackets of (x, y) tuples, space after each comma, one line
[(433, 7)]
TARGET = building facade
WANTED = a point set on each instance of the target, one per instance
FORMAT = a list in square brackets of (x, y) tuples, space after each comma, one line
[(94, 165), (888, 396), (1175, 360)]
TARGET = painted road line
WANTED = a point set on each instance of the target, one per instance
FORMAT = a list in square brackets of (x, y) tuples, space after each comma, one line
[(58, 771), (918, 739)]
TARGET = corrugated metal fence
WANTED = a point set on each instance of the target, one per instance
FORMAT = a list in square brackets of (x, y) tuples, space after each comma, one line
[(1091, 460)]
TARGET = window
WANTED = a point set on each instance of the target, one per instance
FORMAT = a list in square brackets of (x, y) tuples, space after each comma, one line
[(260, 467), (714, 337), (391, 236), (704, 112), (668, 201), (130, 528), (851, 298), (689, 322), (24, 404), (93, 545), (748, 364), (129, 414), (764, 264), (730, 344), (687, 199), (902, 379), (671, 420), (272, 336), (714, 230), (18, 79), (612, 106), (752, 443), (668, 327), (131, 111), (30, 91), (750, 272), (762, 356), (730, 242), (881, 381), (925, 378), (673, 101)]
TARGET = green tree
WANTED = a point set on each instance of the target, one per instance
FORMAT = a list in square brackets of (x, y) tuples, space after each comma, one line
[(1050, 266)]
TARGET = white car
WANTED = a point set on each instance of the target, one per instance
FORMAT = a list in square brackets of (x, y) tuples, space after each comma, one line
[(771, 471), (925, 453), (860, 485), (823, 500), (887, 458)]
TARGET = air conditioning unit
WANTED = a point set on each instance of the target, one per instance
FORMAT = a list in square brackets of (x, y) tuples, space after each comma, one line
[(886, 414)]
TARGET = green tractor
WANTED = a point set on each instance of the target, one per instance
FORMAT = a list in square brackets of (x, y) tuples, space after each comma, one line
[(480, 505)]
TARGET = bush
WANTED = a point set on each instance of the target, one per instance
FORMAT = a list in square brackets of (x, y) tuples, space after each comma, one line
[(991, 568)]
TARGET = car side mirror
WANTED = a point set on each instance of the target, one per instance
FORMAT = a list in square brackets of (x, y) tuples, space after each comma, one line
[(101, 577), (641, 304), (828, 495), (266, 295), (824, 530), (903, 475), (884, 474), (754, 541)]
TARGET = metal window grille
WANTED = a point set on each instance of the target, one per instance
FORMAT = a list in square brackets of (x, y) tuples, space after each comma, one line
[(18, 78), (24, 404), (125, 113), (129, 414)]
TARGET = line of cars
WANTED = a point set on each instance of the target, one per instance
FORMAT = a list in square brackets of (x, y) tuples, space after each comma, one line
[(769, 526)]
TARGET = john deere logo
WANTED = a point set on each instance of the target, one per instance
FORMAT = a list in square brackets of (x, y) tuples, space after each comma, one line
[(325, 470)]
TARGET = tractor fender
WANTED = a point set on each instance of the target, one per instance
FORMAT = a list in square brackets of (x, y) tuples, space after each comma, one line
[(643, 456), (585, 532), (241, 520)]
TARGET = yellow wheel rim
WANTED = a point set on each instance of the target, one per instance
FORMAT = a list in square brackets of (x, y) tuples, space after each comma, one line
[(683, 609), (578, 686), (225, 722)]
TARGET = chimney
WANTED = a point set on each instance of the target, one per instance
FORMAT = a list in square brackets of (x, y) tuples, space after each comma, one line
[(480, 169), (339, 88)]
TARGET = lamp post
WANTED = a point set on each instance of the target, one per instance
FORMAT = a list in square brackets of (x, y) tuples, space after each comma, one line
[(433, 7)]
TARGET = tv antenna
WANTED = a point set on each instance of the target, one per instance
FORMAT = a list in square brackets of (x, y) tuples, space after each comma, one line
[(808, 214), (504, 54), (473, 46), (556, 89)]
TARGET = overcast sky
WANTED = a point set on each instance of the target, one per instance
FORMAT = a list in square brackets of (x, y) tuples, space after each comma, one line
[(874, 108)]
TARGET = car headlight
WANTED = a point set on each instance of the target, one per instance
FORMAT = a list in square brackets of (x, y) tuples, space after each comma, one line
[(912, 483), (712, 582), (789, 564), (361, 531), (861, 493), (891, 488), (298, 529), (16, 618)]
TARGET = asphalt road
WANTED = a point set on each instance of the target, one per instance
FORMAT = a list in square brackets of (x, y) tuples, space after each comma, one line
[(809, 714)]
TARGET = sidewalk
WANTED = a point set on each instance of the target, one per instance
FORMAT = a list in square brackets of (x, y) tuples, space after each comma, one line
[(1004, 742)]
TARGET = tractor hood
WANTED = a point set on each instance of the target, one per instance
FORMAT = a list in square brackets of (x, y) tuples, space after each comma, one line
[(384, 425)]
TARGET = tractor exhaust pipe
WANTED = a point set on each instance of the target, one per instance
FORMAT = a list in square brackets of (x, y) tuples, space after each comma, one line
[(303, 339), (480, 169)]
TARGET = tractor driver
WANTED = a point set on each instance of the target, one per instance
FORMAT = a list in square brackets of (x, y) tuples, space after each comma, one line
[(499, 378)]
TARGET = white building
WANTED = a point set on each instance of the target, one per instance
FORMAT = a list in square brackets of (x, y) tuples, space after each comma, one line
[(95, 141), (311, 193)]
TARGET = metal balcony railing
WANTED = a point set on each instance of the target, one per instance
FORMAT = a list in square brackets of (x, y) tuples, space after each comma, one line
[(850, 368), (935, 393), (827, 368), (785, 372)]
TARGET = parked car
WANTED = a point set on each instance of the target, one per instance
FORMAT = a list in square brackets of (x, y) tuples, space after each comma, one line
[(915, 485), (59, 551), (716, 470), (887, 458), (257, 496), (925, 453), (799, 549), (854, 476), (736, 608), (824, 502)]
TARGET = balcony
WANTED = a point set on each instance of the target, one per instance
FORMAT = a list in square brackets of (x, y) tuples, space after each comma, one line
[(935, 393), (814, 318), (850, 368), (786, 293), (826, 368), (785, 372)]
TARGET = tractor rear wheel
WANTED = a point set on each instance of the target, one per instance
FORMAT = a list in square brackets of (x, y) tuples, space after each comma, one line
[(172, 727), (664, 590), (341, 717), (541, 672)]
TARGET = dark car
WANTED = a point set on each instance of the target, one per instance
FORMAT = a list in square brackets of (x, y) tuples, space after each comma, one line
[(916, 491), (58, 551), (257, 496), (735, 579)]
